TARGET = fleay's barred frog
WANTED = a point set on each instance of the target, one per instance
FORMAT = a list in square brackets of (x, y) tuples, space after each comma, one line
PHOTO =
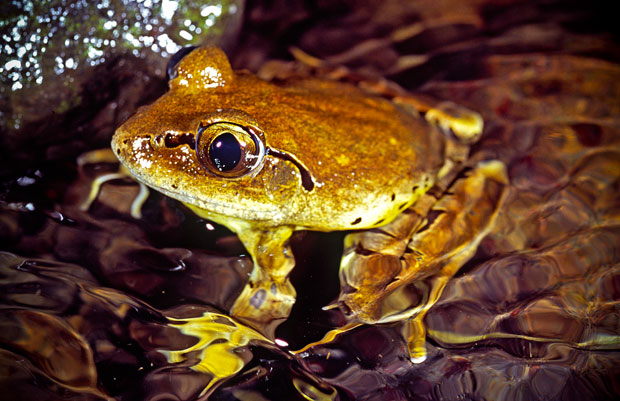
[(267, 159)]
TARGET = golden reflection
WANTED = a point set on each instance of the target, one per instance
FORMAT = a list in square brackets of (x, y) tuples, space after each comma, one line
[(218, 349)]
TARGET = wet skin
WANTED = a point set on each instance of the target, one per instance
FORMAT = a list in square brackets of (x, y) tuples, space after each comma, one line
[(267, 159)]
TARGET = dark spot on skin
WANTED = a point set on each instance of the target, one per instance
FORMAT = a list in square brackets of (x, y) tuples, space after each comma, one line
[(588, 134), (403, 205), (357, 221), (118, 151), (409, 211), (174, 186), (173, 141), (126, 142), (379, 222), (393, 197), (415, 188), (258, 298)]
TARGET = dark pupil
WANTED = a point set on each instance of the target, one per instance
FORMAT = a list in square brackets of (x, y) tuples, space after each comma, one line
[(225, 152)]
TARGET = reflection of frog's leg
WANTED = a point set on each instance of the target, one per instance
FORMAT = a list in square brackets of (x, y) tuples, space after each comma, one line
[(330, 336), (414, 330), (219, 339), (397, 272), (104, 155), (107, 156), (221, 352), (465, 124)]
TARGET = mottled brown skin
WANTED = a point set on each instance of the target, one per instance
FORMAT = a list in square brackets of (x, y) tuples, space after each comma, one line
[(368, 158), (365, 160)]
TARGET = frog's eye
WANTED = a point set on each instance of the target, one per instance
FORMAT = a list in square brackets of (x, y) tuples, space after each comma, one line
[(229, 150)]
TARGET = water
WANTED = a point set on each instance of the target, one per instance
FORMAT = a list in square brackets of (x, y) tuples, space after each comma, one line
[(97, 304)]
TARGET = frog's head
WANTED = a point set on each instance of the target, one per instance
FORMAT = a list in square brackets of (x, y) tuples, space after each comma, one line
[(193, 146), (315, 154)]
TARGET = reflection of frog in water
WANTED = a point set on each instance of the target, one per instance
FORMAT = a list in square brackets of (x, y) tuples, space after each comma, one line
[(265, 160)]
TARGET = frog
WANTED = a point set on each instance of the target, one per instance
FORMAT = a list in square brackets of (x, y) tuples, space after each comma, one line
[(268, 158)]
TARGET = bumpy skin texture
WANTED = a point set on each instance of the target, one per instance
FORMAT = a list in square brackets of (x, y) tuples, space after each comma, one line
[(326, 156), (368, 159)]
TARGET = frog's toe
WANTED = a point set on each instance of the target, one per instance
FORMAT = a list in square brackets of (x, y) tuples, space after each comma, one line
[(456, 120), (418, 358)]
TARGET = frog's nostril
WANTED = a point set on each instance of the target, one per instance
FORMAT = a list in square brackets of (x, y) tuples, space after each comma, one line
[(175, 140)]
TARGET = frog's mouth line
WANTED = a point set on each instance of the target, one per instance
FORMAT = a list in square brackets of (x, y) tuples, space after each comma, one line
[(217, 209), (175, 140)]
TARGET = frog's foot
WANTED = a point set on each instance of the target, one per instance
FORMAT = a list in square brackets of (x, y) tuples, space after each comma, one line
[(267, 298), (107, 156), (398, 272), (265, 304), (415, 334)]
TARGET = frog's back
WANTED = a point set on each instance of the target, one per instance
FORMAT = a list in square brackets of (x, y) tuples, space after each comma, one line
[(335, 157)]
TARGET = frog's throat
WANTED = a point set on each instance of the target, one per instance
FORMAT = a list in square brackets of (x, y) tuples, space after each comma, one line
[(217, 212), (255, 235)]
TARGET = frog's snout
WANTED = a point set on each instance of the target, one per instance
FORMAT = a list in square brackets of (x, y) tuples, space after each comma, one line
[(133, 151), (117, 145)]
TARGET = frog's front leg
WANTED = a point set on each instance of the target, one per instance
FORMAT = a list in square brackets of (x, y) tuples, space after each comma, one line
[(268, 296), (398, 272)]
